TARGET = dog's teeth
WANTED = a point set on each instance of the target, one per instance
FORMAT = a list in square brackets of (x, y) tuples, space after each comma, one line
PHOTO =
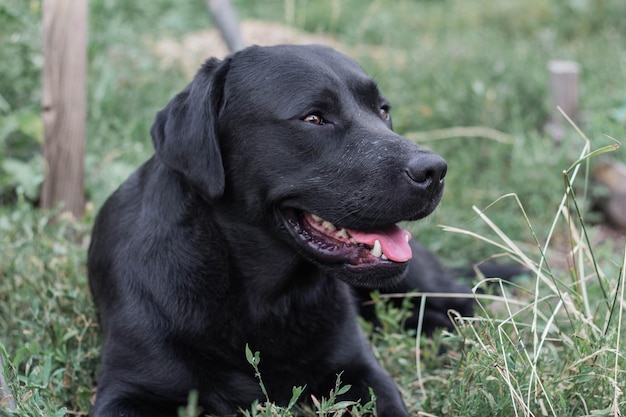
[(384, 257), (407, 237), (328, 225), (377, 250), (316, 218), (343, 233)]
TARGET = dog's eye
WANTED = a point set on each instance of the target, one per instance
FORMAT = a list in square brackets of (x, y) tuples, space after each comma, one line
[(314, 118), (384, 112)]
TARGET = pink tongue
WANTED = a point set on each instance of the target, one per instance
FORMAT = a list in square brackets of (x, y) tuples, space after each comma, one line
[(393, 241)]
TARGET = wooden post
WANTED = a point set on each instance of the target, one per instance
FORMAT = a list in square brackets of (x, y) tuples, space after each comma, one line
[(563, 93), (64, 103), (227, 23)]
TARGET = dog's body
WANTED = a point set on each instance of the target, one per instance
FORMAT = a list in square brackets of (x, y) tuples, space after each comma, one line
[(275, 186)]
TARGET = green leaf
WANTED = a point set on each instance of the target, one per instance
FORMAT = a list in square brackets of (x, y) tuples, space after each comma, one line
[(601, 413), (295, 396), (46, 370), (30, 123), (342, 390), (252, 358), (342, 405), (27, 175)]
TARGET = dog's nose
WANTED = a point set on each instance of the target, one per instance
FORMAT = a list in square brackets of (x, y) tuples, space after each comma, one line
[(427, 170)]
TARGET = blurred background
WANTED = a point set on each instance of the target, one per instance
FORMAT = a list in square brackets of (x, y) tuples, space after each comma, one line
[(478, 65)]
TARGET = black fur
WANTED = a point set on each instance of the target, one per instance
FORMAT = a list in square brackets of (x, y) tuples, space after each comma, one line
[(206, 247)]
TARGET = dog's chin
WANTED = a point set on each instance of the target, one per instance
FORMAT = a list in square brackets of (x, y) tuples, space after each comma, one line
[(372, 259), (370, 277)]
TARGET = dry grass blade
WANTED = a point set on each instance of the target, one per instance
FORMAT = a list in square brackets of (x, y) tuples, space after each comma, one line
[(617, 391), (572, 311)]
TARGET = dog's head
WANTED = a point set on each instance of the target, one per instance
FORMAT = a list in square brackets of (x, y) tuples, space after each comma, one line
[(298, 139)]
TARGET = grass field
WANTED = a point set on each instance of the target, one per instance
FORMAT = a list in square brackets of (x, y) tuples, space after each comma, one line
[(550, 344)]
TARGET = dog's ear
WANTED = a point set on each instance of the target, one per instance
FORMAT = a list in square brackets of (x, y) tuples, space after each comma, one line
[(185, 134)]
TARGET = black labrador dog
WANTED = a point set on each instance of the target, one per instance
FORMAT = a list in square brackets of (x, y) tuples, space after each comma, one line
[(275, 188)]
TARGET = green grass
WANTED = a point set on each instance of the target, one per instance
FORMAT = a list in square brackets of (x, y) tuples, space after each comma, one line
[(49, 336), (550, 344)]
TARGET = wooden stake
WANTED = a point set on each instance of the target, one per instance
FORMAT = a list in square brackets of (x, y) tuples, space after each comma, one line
[(64, 103), (227, 23), (563, 93)]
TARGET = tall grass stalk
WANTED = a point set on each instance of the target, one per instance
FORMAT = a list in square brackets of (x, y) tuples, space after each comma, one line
[(618, 392), (571, 319)]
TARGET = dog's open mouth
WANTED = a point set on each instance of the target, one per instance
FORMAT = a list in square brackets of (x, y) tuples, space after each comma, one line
[(333, 244)]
